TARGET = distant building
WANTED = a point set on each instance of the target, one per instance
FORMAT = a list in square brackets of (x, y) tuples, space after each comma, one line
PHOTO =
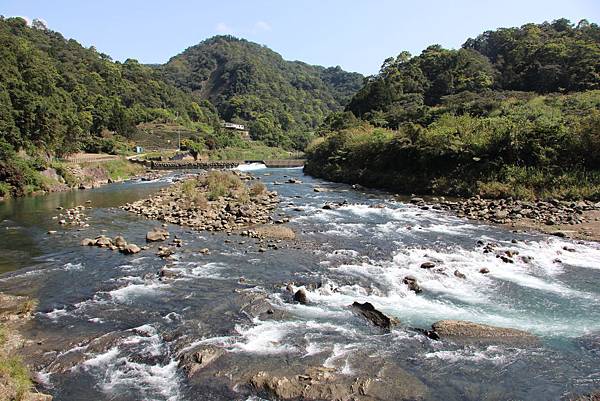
[(139, 149), (238, 127)]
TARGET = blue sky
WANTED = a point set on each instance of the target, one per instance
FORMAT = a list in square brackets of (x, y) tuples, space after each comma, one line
[(357, 35)]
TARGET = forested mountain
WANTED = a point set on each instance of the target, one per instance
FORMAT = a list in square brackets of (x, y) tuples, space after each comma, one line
[(543, 58), (57, 96), (514, 112), (251, 83)]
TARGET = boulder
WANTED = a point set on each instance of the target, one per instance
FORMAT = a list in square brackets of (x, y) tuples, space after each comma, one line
[(157, 234), (130, 249), (412, 284), (484, 270), (427, 265), (199, 358), (103, 241), (300, 297), (166, 273), (119, 241), (459, 274), (464, 329), (88, 242), (377, 318), (380, 380)]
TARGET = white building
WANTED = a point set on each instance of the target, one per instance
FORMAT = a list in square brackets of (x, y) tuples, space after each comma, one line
[(238, 127)]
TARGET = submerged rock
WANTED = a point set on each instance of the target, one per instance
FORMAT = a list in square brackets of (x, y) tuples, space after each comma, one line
[(88, 242), (377, 318)]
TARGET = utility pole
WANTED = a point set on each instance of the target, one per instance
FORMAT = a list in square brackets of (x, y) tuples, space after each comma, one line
[(178, 132)]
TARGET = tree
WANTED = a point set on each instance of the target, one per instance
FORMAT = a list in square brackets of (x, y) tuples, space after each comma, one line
[(194, 146)]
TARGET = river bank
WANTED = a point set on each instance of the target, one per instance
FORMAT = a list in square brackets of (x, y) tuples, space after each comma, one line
[(567, 219), (63, 176), (15, 377)]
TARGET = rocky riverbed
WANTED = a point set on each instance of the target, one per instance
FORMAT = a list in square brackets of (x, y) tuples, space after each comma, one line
[(577, 219), (388, 300), (189, 203)]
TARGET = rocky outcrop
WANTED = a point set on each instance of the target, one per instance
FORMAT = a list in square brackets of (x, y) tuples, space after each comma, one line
[(381, 381), (199, 358), (377, 318), (464, 329)]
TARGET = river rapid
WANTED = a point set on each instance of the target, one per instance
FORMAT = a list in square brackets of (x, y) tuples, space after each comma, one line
[(108, 329)]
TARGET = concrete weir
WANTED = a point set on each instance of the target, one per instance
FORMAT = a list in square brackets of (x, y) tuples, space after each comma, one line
[(220, 164)]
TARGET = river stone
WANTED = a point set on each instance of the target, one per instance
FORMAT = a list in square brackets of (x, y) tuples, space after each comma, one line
[(464, 329), (412, 284), (87, 242), (427, 265), (119, 241), (130, 249), (166, 273), (300, 297), (103, 241), (377, 318), (157, 234), (459, 274)]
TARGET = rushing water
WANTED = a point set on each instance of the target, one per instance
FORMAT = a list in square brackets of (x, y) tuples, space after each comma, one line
[(116, 332)]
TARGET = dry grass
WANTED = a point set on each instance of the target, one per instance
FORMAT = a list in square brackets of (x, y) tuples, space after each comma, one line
[(257, 188), (223, 183)]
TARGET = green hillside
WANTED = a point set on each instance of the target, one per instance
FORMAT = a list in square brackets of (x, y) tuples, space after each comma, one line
[(514, 112), (281, 101)]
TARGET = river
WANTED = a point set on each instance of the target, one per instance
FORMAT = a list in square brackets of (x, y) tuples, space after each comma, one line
[(107, 329)]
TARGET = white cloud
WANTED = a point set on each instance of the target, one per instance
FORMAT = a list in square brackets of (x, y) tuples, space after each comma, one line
[(262, 26), (223, 28)]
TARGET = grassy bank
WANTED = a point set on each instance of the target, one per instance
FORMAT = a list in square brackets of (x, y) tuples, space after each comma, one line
[(23, 176), (15, 377), (537, 147)]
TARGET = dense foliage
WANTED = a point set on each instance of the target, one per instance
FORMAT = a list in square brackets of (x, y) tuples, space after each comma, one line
[(56, 95), (281, 101), (451, 122), (545, 58)]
